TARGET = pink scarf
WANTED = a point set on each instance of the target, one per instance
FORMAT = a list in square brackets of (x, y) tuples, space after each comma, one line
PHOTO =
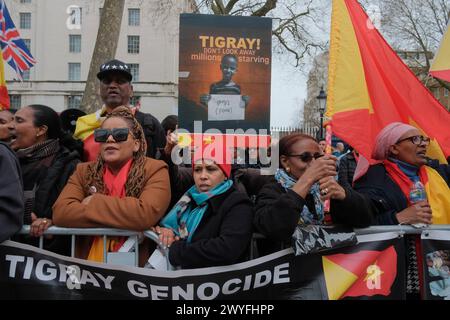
[(384, 140)]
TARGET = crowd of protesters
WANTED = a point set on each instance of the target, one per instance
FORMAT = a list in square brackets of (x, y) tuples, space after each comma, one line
[(117, 172)]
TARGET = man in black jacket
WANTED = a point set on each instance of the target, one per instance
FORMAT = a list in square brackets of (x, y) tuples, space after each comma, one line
[(116, 90), (11, 194)]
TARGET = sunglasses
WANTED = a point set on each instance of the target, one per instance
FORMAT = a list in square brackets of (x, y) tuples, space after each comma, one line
[(118, 134), (307, 156), (417, 140)]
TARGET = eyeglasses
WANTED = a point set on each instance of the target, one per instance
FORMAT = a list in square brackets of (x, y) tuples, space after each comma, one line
[(307, 156), (417, 140), (118, 134)]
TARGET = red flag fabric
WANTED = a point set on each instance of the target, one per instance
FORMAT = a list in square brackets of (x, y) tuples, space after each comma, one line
[(369, 87), (4, 97)]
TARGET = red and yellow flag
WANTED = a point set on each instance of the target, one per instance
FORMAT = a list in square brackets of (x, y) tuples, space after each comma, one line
[(369, 87), (4, 97), (365, 273), (441, 63), (85, 131)]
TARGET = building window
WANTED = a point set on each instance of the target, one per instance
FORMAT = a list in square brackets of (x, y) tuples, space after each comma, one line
[(74, 102), (74, 43), (15, 101), (134, 69), (135, 100), (25, 1), (25, 20), (445, 92), (26, 75), (134, 17), (74, 71), (76, 16), (133, 44)]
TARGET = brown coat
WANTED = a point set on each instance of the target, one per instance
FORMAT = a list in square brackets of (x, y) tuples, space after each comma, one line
[(128, 213)]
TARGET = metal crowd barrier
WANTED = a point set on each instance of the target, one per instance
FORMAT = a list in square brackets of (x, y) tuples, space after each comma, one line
[(105, 232), (73, 232), (403, 229), (155, 238)]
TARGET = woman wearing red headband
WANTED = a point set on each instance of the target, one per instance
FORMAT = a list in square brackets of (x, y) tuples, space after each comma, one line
[(211, 225)]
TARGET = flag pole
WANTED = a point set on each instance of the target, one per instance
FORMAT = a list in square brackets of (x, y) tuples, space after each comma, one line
[(326, 204)]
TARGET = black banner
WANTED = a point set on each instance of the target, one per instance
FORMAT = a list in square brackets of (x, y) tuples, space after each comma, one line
[(373, 269), (27, 272)]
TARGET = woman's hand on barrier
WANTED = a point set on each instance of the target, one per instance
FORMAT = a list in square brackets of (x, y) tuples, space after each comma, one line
[(166, 236), (419, 212), (331, 189), (39, 225)]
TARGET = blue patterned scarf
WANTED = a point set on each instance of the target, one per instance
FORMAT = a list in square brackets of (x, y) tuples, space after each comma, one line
[(187, 214), (306, 216)]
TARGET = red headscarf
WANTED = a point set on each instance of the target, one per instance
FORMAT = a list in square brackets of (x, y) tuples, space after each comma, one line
[(216, 152)]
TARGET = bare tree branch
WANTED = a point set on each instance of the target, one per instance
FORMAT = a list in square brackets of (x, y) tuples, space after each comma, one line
[(268, 6), (293, 32), (230, 5), (219, 6)]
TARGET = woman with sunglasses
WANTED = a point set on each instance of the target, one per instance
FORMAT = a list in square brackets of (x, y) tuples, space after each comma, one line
[(305, 179), (401, 153), (122, 189)]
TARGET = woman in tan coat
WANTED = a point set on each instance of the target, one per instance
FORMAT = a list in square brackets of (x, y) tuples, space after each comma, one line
[(122, 189)]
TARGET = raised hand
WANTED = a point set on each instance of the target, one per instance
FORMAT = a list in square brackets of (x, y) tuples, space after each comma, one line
[(331, 189)]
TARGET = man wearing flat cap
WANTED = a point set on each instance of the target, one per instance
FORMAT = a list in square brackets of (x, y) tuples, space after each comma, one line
[(116, 90)]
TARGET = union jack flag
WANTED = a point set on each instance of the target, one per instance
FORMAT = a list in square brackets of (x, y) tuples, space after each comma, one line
[(14, 49)]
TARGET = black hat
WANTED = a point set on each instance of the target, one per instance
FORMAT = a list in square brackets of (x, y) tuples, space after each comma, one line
[(114, 65)]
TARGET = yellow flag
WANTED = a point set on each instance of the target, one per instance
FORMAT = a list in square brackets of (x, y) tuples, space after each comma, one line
[(441, 63)]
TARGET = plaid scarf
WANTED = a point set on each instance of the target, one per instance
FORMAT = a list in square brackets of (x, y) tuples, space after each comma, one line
[(39, 151), (32, 160)]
